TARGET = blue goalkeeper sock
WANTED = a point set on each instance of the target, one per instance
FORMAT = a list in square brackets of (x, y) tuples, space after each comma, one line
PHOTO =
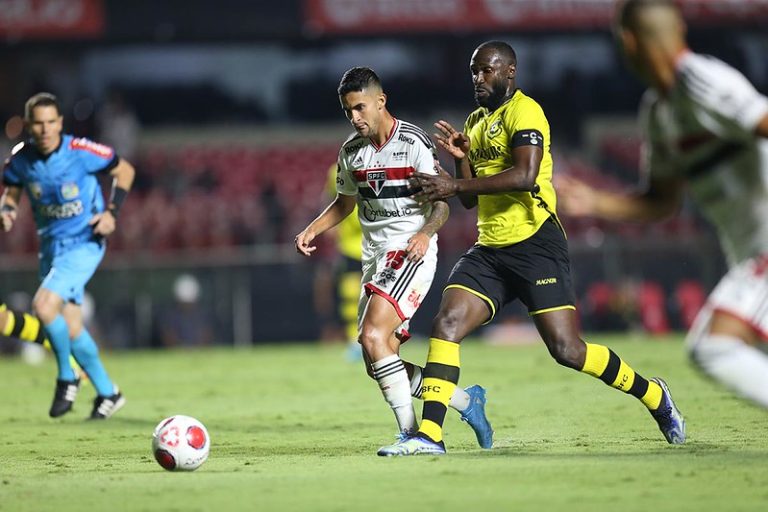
[(58, 335), (86, 353)]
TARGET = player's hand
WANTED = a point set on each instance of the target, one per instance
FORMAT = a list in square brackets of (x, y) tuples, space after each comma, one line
[(103, 223), (430, 187), (302, 242), (417, 247), (575, 198), (454, 142), (8, 218)]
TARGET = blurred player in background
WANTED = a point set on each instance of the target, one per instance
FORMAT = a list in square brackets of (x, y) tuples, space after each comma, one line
[(59, 173), (400, 243), (504, 168), (348, 273), (26, 327), (705, 127)]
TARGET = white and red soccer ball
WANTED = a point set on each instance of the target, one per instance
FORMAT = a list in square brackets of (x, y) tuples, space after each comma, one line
[(180, 443)]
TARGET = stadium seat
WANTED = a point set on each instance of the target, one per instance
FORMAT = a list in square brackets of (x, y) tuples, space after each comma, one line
[(653, 309)]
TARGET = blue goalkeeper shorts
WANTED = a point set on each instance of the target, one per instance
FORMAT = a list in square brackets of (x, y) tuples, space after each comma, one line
[(68, 264)]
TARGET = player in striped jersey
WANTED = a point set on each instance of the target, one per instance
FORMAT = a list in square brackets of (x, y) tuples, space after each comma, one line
[(399, 242), (504, 168), (705, 127)]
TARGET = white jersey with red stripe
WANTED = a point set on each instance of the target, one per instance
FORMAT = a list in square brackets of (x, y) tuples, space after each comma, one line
[(703, 131), (378, 176)]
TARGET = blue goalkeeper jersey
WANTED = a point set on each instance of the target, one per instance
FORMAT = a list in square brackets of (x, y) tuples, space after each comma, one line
[(62, 187)]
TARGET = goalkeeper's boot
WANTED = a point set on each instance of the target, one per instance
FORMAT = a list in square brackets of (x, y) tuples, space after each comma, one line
[(64, 397), (475, 416), (668, 416), (412, 446), (106, 406)]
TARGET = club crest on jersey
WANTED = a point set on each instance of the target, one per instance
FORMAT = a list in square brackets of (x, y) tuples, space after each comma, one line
[(494, 129), (69, 190), (376, 180), (35, 189)]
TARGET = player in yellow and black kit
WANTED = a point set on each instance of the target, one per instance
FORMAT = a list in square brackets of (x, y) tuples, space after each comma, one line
[(26, 327), (348, 274), (504, 168)]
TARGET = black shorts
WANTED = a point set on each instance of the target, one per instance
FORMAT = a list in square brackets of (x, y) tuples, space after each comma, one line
[(537, 271)]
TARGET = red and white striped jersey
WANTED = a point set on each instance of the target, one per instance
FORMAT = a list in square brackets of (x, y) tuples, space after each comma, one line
[(378, 176), (703, 131)]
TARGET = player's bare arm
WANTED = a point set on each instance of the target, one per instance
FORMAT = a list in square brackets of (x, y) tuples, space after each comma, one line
[(662, 199), (419, 243), (520, 177), (105, 223), (337, 211), (9, 204), (457, 144)]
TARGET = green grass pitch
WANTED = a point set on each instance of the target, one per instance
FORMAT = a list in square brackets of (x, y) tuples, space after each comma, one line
[(295, 428)]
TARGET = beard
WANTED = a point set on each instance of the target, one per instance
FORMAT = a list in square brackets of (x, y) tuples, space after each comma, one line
[(493, 97)]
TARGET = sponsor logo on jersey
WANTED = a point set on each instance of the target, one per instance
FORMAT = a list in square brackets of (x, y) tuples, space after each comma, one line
[(399, 155), (61, 211), (358, 162), (414, 298), (494, 129), (407, 140), (489, 153), (354, 147), (388, 274), (35, 189), (372, 214), (376, 180), (69, 191), (92, 147), (546, 281)]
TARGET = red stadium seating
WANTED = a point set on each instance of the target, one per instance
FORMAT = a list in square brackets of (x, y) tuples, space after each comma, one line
[(233, 194)]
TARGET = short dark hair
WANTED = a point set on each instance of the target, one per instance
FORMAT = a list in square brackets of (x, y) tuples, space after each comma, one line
[(41, 99), (629, 10), (357, 79), (503, 49)]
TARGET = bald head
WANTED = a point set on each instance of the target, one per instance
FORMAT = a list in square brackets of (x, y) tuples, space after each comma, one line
[(651, 35), (504, 52), (651, 18)]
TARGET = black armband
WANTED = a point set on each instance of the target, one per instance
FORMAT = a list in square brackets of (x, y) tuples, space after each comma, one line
[(116, 199), (530, 137)]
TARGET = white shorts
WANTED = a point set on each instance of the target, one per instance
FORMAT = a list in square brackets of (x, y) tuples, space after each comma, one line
[(743, 293), (403, 283)]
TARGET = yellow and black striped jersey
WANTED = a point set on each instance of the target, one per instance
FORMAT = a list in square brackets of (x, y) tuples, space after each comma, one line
[(349, 234), (505, 219)]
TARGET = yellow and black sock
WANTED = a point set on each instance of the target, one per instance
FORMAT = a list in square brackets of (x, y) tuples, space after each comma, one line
[(24, 327), (603, 363), (441, 374), (28, 328)]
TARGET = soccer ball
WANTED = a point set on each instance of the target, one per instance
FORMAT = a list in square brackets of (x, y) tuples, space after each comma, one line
[(180, 443)]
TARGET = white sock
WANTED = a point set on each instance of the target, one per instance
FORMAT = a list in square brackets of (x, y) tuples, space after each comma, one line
[(740, 367), (390, 373), (459, 399)]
